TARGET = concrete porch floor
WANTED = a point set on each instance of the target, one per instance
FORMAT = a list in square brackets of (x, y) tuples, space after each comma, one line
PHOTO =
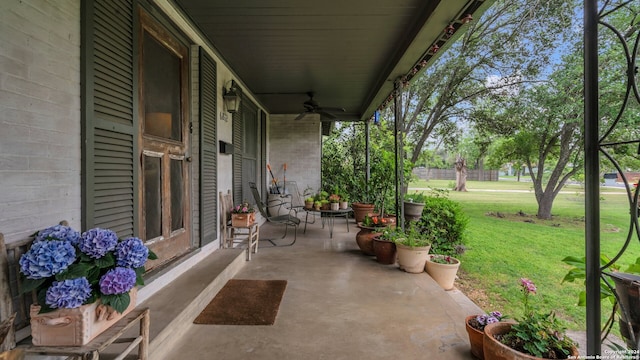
[(338, 304)]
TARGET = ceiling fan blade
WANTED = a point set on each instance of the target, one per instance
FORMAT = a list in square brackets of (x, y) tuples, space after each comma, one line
[(333, 109), (327, 114), (301, 116)]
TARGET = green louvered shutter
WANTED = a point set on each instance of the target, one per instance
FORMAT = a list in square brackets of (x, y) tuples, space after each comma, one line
[(208, 150), (238, 150), (108, 87)]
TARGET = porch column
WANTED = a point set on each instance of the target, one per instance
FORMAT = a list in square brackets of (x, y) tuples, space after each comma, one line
[(399, 151), (592, 176)]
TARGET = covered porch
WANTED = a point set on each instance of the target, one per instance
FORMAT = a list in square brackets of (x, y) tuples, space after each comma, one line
[(338, 304)]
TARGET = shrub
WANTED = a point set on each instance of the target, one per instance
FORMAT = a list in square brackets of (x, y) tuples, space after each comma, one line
[(444, 223)]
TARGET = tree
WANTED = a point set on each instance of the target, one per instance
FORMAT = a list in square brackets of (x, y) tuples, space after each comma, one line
[(546, 132), (544, 129), (504, 45), (461, 174)]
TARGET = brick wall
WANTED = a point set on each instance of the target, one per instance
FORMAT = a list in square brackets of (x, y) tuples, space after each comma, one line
[(39, 115), (299, 145)]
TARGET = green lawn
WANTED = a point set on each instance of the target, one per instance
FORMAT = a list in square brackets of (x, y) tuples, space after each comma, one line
[(502, 250)]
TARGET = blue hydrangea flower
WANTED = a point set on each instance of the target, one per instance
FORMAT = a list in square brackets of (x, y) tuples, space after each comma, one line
[(68, 294), (97, 242), (47, 258), (117, 281), (131, 252), (58, 232)]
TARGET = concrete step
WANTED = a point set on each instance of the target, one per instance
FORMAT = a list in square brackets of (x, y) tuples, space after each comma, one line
[(174, 308)]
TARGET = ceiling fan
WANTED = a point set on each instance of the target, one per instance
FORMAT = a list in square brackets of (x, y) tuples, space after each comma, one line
[(312, 107)]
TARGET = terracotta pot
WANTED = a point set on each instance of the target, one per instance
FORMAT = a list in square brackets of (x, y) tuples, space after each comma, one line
[(475, 338), (364, 238), (360, 210), (412, 259), (443, 274), (384, 250), (495, 350)]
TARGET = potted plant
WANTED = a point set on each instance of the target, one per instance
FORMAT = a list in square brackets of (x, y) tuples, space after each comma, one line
[(78, 277), (334, 200), (413, 250), (362, 200), (443, 223), (325, 204), (536, 335), (243, 215), (443, 269), (413, 205), (625, 296), (384, 246), (475, 324), (308, 202), (370, 227), (344, 201)]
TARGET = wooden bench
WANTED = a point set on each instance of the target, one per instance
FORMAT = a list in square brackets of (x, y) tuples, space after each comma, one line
[(13, 301)]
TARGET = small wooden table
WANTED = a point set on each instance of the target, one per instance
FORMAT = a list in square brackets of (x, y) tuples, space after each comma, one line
[(330, 215), (91, 351)]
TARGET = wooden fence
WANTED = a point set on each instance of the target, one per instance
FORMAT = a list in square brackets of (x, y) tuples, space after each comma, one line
[(450, 174)]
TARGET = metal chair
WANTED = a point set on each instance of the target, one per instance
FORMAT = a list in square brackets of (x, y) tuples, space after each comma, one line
[(232, 235), (286, 220), (296, 203)]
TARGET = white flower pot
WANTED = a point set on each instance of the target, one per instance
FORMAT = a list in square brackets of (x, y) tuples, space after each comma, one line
[(443, 274), (412, 259)]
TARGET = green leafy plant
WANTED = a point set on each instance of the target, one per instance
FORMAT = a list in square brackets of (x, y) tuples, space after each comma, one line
[(578, 272), (411, 237), (538, 334), (416, 197), (443, 224), (391, 234)]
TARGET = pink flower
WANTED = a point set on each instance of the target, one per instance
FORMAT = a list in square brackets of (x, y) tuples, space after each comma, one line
[(528, 285)]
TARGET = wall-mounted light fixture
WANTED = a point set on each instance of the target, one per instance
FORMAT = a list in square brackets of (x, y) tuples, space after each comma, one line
[(231, 98), (467, 19)]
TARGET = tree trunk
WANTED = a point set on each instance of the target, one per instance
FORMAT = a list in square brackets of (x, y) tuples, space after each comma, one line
[(544, 205), (461, 174)]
